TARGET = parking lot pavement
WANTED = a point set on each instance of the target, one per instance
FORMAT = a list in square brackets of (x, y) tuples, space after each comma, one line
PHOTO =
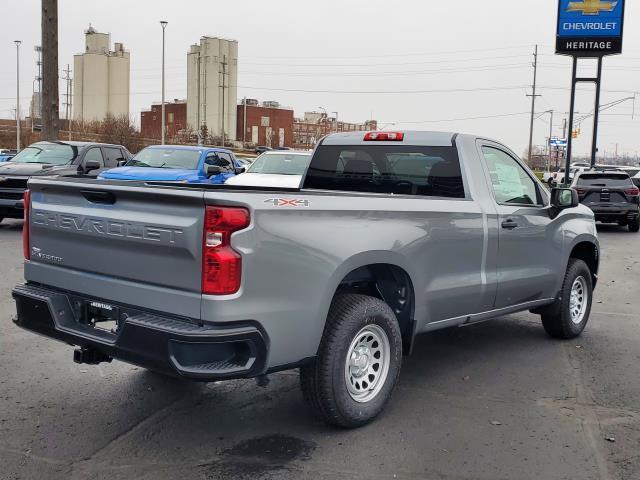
[(497, 400)]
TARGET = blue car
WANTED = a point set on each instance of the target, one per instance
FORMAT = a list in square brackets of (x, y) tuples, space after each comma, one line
[(178, 163), (6, 158)]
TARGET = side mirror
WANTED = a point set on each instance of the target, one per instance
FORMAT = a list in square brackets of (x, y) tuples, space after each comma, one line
[(240, 170), (91, 165), (212, 170), (562, 198), (121, 162)]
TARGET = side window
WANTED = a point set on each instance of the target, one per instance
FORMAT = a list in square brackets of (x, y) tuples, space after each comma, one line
[(94, 154), (225, 157), (511, 183), (219, 159), (112, 156)]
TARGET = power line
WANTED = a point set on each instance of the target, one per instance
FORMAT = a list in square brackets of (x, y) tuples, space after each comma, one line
[(484, 117), (385, 64), (446, 52)]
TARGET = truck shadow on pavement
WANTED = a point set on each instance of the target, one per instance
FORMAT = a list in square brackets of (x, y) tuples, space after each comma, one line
[(239, 430)]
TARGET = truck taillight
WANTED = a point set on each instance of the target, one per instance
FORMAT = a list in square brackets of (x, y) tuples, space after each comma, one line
[(384, 137), (632, 192), (221, 264), (25, 227)]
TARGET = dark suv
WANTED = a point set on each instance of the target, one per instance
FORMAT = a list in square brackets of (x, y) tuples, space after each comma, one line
[(611, 195), (53, 158)]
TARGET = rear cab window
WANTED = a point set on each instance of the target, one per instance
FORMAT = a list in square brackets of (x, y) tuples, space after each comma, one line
[(604, 180), (387, 169)]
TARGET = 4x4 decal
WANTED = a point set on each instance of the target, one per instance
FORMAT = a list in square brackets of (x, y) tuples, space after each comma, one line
[(285, 202)]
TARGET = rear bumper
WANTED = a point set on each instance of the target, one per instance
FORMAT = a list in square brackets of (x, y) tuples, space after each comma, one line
[(11, 207), (614, 213), (174, 346)]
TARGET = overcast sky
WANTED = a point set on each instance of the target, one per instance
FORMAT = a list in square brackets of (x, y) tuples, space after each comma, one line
[(422, 64)]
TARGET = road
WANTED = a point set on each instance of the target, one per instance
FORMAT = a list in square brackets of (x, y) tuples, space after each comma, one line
[(497, 400)]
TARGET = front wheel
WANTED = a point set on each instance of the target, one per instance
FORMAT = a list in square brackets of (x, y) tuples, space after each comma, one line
[(568, 317), (358, 362)]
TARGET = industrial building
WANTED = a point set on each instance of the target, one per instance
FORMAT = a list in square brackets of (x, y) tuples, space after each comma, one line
[(212, 78), (101, 79), (268, 124), (315, 125), (175, 119)]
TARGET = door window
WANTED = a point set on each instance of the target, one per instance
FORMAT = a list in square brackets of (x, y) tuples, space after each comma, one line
[(512, 185), (113, 156), (94, 154), (217, 159)]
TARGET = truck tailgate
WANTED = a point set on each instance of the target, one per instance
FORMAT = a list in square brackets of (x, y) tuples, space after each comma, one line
[(103, 239)]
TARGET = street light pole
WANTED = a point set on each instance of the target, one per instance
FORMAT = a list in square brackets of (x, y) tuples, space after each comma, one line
[(18, 42), (162, 138)]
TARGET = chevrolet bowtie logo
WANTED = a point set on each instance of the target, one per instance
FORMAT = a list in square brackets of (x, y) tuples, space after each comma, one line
[(591, 7)]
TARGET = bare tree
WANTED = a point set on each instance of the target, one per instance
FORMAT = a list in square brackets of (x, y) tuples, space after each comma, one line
[(50, 100)]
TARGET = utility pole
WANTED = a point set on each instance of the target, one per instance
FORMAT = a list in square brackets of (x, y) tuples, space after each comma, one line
[(244, 122), (67, 102), (17, 42), (533, 102), (50, 100), (224, 74), (164, 26), (550, 135)]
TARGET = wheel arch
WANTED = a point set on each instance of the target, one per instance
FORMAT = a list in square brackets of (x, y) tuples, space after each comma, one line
[(589, 252), (390, 281)]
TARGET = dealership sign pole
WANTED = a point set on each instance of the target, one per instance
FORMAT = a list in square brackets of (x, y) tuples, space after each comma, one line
[(588, 29)]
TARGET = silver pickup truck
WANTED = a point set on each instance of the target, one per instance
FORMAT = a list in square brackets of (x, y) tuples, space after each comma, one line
[(391, 235)]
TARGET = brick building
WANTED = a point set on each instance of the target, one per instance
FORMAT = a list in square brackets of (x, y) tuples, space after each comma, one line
[(176, 119), (308, 130), (268, 124)]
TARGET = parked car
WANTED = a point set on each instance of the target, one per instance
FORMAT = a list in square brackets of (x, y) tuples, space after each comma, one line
[(611, 195), (392, 235), (52, 158), (178, 163), (245, 160), (5, 157), (262, 149), (275, 169)]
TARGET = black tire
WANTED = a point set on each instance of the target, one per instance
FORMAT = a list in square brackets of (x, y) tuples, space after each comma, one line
[(557, 320), (634, 225), (1, 219), (324, 382)]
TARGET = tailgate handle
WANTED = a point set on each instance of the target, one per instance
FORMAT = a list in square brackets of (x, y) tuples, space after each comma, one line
[(95, 196)]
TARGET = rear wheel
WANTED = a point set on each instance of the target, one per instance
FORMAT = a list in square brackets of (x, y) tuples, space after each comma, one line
[(358, 362), (568, 317), (634, 225)]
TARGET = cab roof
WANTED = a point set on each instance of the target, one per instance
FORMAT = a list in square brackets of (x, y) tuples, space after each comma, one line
[(411, 137)]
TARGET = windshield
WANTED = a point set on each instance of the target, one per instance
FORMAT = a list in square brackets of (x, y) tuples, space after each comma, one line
[(51, 154), (604, 180), (279, 164), (166, 158)]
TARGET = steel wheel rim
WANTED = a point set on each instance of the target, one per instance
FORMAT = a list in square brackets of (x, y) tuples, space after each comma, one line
[(367, 363), (578, 300)]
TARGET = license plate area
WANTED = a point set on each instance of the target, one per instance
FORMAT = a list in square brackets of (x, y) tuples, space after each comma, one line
[(102, 316)]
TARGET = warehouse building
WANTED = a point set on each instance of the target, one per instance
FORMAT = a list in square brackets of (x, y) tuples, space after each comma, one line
[(175, 119), (267, 124)]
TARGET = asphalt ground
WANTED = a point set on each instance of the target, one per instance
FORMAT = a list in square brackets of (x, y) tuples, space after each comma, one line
[(497, 400)]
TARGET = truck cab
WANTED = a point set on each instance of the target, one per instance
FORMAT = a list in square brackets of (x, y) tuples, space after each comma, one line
[(173, 163)]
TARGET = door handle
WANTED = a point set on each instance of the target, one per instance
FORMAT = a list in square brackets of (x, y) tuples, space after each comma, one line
[(509, 224)]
